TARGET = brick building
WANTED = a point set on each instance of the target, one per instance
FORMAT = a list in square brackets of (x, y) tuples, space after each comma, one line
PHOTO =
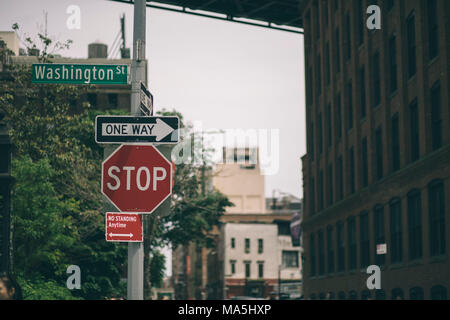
[(377, 169)]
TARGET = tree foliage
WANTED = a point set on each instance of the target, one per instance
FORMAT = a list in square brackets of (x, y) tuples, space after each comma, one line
[(57, 209), (157, 263)]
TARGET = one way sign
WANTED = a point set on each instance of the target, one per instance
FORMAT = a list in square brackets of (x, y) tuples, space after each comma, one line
[(129, 129)]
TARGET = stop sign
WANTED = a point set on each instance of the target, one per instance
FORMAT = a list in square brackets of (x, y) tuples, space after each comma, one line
[(136, 178)]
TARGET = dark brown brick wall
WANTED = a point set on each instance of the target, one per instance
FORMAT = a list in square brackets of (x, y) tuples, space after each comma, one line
[(432, 164)]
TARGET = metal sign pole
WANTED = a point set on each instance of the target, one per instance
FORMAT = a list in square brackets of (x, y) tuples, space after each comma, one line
[(135, 283)]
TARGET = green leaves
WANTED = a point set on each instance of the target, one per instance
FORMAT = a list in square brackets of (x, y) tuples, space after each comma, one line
[(58, 216), (40, 289), (40, 218), (157, 263)]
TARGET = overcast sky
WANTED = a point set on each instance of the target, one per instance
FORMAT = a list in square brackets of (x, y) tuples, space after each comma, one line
[(226, 75)]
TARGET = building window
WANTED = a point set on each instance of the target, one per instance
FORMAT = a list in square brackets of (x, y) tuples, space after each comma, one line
[(330, 249), (380, 294), (362, 82), (389, 5), (338, 52), (351, 234), (338, 117), (348, 38), (290, 259), (319, 134), (396, 231), (311, 141), (352, 170), (436, 116), (339, 178), (308, 27), (360, 24), (233, 266), (330, 185), (414, 128), (352, 295), (376, 84), (414, 225), (365, 164), (284, 228), (433, 42), (392, 64), (325, 12), (309, 92), (436, 207), (329, 129), (316, 18), (312, 250), (247, 269), (379, 152), (247, 245), (233, 243), (320, 190), (327, 63), (438, 293), (416, 293), (260, 269), (411, 44), (350, 105), (365, 295), (378, 223), (260, 245), (313, 198), (340, 247), (318, 76), (321, 253), (395, 144), (364, 239), (397, 294), (112, 100)]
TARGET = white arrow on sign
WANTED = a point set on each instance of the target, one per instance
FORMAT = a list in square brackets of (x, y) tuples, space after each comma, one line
[(162, 129), (121, 235), (159, 130)]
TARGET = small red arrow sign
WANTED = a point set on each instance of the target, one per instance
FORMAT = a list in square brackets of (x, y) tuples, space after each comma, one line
[(123, 227)]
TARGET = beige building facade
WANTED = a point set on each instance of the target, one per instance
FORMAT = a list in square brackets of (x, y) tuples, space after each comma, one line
[(11, 40), (255, 249), (240, 179)]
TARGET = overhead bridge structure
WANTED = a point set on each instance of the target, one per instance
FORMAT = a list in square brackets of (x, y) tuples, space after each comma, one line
[(283, 15)]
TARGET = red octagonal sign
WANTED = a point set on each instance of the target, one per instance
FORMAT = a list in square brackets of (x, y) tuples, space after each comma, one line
[(136, 178)]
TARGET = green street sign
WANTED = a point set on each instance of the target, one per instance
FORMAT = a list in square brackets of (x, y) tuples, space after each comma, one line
[(80, 73)]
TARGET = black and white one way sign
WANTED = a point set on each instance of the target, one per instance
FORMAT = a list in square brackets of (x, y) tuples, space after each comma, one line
[(129, 129)]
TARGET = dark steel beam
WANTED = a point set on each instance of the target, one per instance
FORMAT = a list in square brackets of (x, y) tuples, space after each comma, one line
[(229, 17)]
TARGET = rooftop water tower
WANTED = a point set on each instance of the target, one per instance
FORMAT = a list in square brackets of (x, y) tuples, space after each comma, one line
[(97, 50)]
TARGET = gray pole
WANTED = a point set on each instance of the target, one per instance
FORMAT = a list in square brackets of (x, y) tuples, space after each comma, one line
[(135, 283)]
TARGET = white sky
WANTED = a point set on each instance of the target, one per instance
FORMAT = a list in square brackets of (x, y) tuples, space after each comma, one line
[(226, 75)]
